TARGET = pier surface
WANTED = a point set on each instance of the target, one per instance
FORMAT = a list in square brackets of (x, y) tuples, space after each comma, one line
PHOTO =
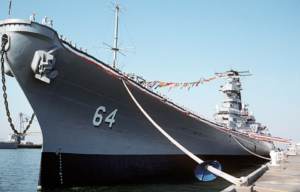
[(285, 177), (281, 178)]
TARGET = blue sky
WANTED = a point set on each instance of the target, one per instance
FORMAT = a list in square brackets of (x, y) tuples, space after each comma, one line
[(182, 41)]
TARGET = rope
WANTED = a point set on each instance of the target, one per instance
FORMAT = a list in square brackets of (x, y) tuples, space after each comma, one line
[(249, 150), (247, 142), (240, 138), (229, 178)]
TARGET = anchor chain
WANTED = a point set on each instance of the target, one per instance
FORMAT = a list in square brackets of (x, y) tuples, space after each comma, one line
[(5, 40), (32, 116)]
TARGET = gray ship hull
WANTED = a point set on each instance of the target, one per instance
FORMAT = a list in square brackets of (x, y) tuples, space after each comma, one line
[(76, 152), (8, 145)]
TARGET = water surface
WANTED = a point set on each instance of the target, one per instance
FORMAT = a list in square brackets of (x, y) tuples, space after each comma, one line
[(19, 171)]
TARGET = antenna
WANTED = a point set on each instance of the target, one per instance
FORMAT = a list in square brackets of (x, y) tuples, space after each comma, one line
[(9, 9), (236, 73), (115, 48)]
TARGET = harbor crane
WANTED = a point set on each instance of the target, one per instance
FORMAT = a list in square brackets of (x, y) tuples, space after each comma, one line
[(21, 120)]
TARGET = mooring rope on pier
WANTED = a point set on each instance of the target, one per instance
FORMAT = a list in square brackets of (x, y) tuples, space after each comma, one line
[(234, 137), (230, 133), (249, 150), (213, 170)]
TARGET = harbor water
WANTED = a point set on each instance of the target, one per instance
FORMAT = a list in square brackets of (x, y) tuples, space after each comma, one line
[(19, 171)]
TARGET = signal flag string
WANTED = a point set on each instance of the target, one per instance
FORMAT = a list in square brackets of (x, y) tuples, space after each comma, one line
[(159, 84)]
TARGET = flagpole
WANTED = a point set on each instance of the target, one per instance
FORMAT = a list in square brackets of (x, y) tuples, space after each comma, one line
[(9, 9)]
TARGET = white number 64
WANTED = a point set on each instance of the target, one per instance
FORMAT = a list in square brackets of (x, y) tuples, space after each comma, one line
[(97, 120)]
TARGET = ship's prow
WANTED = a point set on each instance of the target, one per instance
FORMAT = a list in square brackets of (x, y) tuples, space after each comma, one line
[(24, 25)]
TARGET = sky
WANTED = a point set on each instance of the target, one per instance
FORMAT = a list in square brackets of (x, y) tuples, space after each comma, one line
[(182, 41)]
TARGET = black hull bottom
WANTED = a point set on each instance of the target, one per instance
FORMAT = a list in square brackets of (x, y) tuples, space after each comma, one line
[(64, 170)]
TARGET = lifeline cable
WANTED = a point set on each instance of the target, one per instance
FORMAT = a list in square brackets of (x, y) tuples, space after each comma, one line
[(226, 176), (230, 133), (244, 141), (249, 150)]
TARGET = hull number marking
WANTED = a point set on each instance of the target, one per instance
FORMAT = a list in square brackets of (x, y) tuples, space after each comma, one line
[(97, 120)]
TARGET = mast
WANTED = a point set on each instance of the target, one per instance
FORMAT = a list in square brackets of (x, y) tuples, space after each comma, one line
[(115, 48)]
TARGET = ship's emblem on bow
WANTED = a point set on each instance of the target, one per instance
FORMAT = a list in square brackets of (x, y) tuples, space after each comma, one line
[(43, 63)]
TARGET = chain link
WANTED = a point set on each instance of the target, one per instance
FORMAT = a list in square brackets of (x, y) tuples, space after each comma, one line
[(32, 116), (5, 40)]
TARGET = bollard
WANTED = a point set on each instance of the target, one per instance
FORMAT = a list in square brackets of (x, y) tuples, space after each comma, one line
[(274, 157)]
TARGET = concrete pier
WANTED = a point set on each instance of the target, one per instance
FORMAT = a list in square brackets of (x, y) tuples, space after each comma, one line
[(283, 177)]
